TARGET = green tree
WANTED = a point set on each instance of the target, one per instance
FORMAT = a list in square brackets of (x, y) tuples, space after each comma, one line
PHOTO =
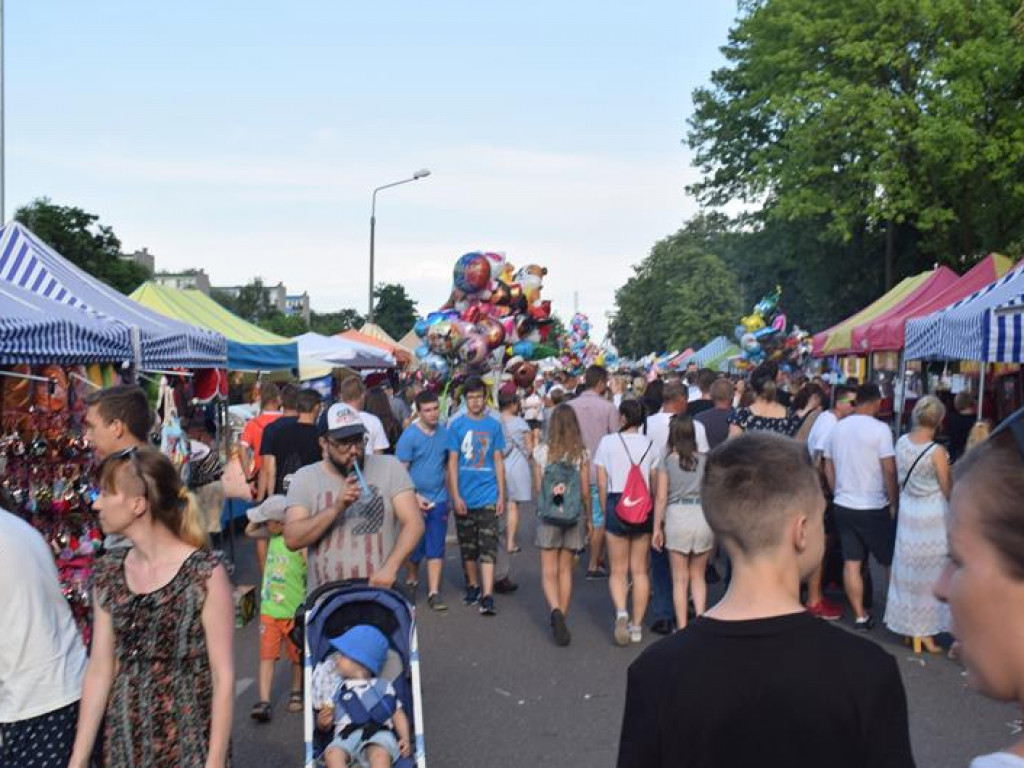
[(77, 236), (394, 311), (225, 299), (284, 325), (330, 323), (680, 295), (897, 119)]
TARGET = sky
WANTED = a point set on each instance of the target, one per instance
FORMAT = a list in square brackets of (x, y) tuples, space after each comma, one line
[(245, 138)]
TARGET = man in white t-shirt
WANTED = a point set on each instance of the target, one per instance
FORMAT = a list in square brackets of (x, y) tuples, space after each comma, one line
[(860, 467), (353, 393), (42, 659), (673, 401)]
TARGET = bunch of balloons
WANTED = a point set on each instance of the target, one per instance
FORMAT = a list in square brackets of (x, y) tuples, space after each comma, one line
[(494, 311), (578, 351), (762, 335)]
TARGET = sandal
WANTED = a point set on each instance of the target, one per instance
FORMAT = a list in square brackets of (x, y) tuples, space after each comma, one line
[(295, 702), (260, 712)]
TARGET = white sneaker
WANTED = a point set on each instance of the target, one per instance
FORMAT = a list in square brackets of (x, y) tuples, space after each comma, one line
[(635, 633)]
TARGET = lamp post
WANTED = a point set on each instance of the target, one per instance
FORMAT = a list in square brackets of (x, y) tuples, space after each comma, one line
[(421, 174)]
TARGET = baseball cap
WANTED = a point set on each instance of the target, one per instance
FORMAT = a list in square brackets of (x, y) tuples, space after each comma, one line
[(340, 421), (272, 509), (364, 644)]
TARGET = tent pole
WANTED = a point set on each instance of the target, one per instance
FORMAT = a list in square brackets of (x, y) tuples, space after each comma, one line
[(981, 390)]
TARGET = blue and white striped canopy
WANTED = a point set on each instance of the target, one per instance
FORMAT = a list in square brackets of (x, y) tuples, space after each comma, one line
[(38, 331), (961, 331), (709, 351), (29, 263), (1004, 332)]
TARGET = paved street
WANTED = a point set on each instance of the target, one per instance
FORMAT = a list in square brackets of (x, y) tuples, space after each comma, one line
[(498, 692)]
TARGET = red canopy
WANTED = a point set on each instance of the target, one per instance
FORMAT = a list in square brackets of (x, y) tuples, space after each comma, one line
[(887, 331)]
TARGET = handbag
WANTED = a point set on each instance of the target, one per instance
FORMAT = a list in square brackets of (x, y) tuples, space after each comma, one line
[(236, 485)]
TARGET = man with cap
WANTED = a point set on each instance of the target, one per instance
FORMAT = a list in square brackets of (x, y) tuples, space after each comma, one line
[(361, 707), (356, 512)]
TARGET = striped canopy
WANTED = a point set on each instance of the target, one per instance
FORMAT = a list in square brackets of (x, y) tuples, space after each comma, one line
[(38, 331), (249, 347), (29, 263), (962, 330), (1004, 332), (710, 351)]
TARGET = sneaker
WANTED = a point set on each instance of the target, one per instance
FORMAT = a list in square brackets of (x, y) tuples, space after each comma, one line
[(559, 628), (635, 633), (487, 606), (597, 573), (471, 596), (825, 609), (505, 586), (434, 601), (662, 627), (621, 630), (864, 623)]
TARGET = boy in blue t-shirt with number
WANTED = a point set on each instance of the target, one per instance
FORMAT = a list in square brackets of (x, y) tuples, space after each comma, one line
[(476, 479)]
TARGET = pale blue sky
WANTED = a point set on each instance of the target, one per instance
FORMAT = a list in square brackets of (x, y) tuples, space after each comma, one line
[(245, 137)]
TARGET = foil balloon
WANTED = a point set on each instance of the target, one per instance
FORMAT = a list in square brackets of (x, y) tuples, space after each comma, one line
[(421, 327), (524, 349), (501, 294), (472, 273), (441, 338), (474, 350), (434, 367), (492, 331)]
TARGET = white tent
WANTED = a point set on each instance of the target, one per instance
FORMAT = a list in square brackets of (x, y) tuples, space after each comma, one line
[(331, 349)]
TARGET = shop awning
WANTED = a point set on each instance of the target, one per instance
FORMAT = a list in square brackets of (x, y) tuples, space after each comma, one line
[(38, 331), (1004, 332), (29, 263), (249, 347), (375, 336), (709, 351), (344, 352), (888, 332), (837, 340), (962, 330)]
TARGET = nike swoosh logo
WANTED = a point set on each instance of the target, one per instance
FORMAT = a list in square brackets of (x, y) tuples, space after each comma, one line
[(630, 502)]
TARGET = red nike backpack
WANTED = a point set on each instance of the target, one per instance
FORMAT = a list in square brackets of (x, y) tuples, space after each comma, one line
[(635, 505)]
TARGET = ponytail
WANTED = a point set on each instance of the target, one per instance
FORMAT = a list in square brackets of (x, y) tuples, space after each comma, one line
[(191, 531)]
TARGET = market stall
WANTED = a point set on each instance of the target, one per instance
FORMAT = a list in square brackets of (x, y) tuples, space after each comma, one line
[(375, 336), (342, 351)]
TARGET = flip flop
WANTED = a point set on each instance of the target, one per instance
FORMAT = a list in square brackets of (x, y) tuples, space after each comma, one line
[(295, 702)]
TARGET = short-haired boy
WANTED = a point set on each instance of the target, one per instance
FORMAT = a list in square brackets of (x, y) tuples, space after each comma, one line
[(284, 589), (476, 480), (757, 680)]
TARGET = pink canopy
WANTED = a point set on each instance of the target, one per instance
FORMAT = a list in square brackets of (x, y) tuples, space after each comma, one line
[(886, 332)]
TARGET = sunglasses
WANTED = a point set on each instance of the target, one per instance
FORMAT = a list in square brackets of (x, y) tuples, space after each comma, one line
[(347, 442), (132, 455), (1013, 424)]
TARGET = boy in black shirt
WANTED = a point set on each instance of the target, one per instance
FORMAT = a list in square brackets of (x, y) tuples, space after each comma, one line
[(295, 444), (757, 681)]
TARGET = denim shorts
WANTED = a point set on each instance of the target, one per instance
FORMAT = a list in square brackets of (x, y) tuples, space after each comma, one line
[(616, 527), (355, 746)]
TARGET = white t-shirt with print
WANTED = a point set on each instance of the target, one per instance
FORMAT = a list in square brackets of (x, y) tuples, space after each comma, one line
[(856, 447), (612, 455)]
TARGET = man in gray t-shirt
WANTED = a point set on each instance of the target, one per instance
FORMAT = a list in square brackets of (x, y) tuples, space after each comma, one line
[(356, 512)]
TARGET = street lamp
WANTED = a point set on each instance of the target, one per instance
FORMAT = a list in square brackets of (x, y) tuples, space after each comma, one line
[(421, 174)]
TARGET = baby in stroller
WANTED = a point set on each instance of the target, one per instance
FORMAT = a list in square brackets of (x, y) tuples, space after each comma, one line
[(371, 730)]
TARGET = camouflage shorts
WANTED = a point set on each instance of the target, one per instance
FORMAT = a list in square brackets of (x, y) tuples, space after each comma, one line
[(478, 534)]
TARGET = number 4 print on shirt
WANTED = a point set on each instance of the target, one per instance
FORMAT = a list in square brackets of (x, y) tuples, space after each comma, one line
[(474, 448)]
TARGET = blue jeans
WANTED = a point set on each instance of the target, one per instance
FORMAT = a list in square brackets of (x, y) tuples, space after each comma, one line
[(661, 586)]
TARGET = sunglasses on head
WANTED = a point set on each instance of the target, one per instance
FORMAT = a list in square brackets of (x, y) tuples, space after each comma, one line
[(1013, 424), (132, 455)]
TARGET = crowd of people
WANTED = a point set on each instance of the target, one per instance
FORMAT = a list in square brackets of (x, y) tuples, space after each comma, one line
[(776, 484)]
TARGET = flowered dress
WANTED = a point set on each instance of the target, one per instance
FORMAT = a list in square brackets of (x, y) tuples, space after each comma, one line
[(159, 709)]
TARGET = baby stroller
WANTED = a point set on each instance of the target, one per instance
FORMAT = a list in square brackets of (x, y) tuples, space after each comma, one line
[(337, 606)]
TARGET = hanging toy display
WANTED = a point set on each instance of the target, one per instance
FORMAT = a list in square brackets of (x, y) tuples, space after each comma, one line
[(494, 312), (45, 463)]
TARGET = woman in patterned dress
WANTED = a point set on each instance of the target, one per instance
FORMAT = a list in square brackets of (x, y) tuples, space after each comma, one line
[(161, 669), (921, 541), (766, 413)]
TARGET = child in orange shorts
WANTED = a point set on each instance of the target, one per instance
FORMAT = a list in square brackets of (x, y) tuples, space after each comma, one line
[(284, 589)]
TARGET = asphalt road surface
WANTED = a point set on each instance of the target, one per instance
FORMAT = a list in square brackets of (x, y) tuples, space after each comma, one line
[(498, 692)]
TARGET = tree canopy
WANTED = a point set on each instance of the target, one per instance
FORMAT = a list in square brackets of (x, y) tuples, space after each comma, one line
[(330, 323), (81, 239), (394, 311)]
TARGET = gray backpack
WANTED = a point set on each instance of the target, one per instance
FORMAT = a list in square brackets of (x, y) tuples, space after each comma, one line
[(560, 502)]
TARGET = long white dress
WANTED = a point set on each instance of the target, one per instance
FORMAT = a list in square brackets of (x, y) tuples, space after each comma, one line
[(921, 546)]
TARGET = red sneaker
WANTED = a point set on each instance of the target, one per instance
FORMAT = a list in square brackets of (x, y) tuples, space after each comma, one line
[(826, 610)]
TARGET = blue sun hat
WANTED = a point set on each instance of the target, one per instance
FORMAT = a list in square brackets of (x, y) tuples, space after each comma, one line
[(365, 645)]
